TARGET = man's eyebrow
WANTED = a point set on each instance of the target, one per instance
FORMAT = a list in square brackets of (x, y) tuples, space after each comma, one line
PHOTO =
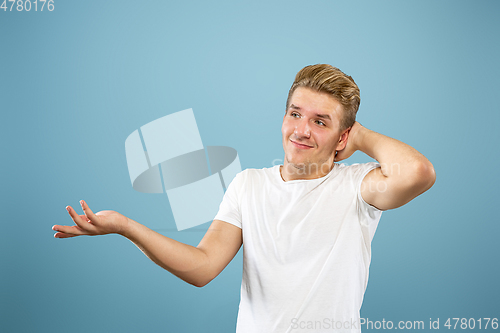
[(324, 116), (318, 115)]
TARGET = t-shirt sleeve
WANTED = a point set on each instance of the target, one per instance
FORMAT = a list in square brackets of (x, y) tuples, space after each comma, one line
[(363, 170), (229, 209), (369, 216)]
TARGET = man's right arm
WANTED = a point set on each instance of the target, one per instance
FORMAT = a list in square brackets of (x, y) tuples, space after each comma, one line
[(195, 265)]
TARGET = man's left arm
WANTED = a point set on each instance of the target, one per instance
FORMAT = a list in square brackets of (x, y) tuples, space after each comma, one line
[(404, 173)]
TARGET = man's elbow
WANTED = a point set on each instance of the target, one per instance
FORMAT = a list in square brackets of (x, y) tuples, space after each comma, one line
[(200, 276), (424, 175), (200, 282)]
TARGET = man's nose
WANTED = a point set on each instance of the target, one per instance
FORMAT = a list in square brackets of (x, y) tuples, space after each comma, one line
[(302, 129)]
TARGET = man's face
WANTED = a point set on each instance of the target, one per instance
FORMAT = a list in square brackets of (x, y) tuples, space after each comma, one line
[(311, 131)]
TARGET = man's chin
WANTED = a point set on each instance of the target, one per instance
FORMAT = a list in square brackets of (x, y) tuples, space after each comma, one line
[(297, 163)]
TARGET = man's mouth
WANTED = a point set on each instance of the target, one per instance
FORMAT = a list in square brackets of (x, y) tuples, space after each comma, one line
[(300, 145)]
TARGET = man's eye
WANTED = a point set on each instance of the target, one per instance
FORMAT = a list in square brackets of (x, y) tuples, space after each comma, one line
[(295, 114), (319, 122)]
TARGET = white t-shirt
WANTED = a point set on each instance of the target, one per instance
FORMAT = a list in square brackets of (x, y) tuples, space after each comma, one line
[(306, 248)]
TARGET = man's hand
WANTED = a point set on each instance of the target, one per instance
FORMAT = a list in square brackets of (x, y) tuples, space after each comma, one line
[(353, 136), (101, 223)]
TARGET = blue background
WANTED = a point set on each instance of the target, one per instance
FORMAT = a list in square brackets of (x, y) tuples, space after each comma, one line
[(75, 82)]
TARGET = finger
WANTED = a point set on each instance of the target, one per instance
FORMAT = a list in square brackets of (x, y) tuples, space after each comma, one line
[(78, 220), (84, 218), (91, 217), (70, 230), (63, 235)]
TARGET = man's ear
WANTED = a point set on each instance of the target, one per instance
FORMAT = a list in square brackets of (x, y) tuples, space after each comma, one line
[(344, 136)]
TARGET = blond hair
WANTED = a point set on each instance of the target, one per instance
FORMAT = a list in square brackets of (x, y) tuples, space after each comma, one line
[(332, 81)]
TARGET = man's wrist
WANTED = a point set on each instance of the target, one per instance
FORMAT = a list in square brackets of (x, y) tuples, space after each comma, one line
[(126, 229), (358, 134)]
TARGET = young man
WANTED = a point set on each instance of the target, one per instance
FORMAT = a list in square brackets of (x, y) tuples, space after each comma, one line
[(307, 225)]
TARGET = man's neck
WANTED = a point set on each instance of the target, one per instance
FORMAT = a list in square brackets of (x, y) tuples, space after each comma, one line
[(290, 172)]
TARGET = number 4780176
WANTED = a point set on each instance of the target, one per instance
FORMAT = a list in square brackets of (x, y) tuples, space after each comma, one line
[(27, 5), (471, 323)]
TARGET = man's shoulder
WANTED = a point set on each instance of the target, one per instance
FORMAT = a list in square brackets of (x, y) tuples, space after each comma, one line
[(260, 171), (255, 175)]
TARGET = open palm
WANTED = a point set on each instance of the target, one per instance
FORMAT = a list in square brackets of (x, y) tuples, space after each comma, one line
[(101, 223)]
